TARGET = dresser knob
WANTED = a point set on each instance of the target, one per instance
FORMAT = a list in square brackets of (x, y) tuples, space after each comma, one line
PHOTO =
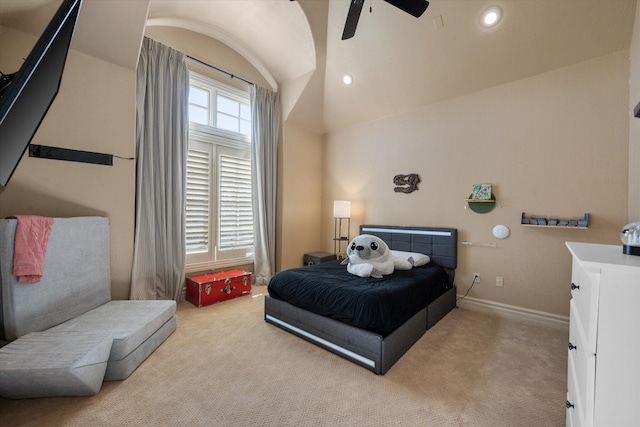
[(572, 347), (569, 405), (574, 287)]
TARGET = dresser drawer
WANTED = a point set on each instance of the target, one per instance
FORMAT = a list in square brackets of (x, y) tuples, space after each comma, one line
[(575, 407), (569, 416), (582, 370), (584, 293)]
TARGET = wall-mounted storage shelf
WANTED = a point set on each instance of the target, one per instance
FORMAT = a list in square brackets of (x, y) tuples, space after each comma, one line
[(480, 205), (535, 221)]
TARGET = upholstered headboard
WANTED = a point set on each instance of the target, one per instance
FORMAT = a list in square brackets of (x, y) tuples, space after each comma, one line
[(76, 276), (441, 244)]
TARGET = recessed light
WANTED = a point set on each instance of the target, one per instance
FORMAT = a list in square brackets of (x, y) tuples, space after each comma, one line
[(347, 79), (491, 17)]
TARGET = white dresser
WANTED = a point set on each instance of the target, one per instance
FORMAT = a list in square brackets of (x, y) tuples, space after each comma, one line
[(604, 337)]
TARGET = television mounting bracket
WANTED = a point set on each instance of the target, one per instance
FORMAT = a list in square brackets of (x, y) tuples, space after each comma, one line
[(5, 81)]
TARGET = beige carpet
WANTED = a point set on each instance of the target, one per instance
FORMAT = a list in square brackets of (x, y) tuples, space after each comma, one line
[(224, 366)]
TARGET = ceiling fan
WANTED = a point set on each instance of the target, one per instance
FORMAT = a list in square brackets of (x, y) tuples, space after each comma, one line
[(412, 7)]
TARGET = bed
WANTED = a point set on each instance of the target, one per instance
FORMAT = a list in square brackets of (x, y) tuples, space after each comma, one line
[(372, 334)]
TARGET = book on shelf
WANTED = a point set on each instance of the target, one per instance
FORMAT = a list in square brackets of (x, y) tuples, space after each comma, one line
[(481, 192)]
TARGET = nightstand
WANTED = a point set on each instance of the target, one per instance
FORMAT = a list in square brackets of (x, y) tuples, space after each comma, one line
[(317, 258)]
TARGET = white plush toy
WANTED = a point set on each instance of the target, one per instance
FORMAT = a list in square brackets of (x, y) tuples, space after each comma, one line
[(369, 256)]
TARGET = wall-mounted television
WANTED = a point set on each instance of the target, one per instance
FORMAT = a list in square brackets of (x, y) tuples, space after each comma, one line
[(26, 95)]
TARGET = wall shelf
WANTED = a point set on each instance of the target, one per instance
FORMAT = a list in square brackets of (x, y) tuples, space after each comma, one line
[(481, 205), (535, 221)]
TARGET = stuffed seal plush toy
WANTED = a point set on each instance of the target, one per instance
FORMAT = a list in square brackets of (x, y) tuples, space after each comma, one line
[(369, 256)]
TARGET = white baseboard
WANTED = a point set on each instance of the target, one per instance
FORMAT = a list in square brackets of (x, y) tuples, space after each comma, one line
[(524, 315)]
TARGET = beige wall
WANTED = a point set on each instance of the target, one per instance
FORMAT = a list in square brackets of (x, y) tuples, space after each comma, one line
[(94, 111), (555, 144), (300, 197), (209, 51), (634, 123)]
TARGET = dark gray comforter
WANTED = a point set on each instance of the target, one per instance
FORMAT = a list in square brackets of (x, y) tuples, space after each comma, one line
[(377, 305)]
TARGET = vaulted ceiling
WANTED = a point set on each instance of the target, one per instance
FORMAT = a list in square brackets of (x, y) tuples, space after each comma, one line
[(398, 62)]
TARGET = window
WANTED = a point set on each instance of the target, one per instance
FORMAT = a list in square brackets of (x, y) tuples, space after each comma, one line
[(198, 105), (219, 209), (233, 116)]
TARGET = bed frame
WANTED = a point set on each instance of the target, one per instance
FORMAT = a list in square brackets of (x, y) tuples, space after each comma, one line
[(373, 351)]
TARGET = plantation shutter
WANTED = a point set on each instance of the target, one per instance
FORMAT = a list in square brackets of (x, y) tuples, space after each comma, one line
[(219, 208), (236, 209), (198, 197)]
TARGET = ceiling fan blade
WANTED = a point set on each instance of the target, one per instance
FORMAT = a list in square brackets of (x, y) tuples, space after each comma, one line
[(352, 19), (412, 7)]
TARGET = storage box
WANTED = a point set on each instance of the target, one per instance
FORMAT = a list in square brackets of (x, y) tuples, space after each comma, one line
[(317, 258), (215, 287)]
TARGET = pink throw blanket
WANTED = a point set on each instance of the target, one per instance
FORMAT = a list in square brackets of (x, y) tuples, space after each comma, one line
[(32, 235)]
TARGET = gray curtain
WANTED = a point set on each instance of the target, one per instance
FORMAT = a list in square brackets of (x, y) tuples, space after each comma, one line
[(265, 122), (161, 153)]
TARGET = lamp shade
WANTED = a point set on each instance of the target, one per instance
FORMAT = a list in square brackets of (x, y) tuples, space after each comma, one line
[(341, 209)]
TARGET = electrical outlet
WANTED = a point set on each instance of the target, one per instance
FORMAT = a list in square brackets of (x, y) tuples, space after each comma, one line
[(500, 281), (476, 277)]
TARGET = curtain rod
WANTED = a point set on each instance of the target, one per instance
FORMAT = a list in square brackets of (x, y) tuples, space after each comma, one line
[(221, 70)]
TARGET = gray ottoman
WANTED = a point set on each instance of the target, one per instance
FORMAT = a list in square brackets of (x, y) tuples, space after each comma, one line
[(46, 364)]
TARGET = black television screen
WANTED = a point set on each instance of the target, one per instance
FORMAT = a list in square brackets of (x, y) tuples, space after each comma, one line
[(25, 96)]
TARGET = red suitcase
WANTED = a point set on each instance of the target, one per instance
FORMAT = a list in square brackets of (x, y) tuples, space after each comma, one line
[(215, 287)]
